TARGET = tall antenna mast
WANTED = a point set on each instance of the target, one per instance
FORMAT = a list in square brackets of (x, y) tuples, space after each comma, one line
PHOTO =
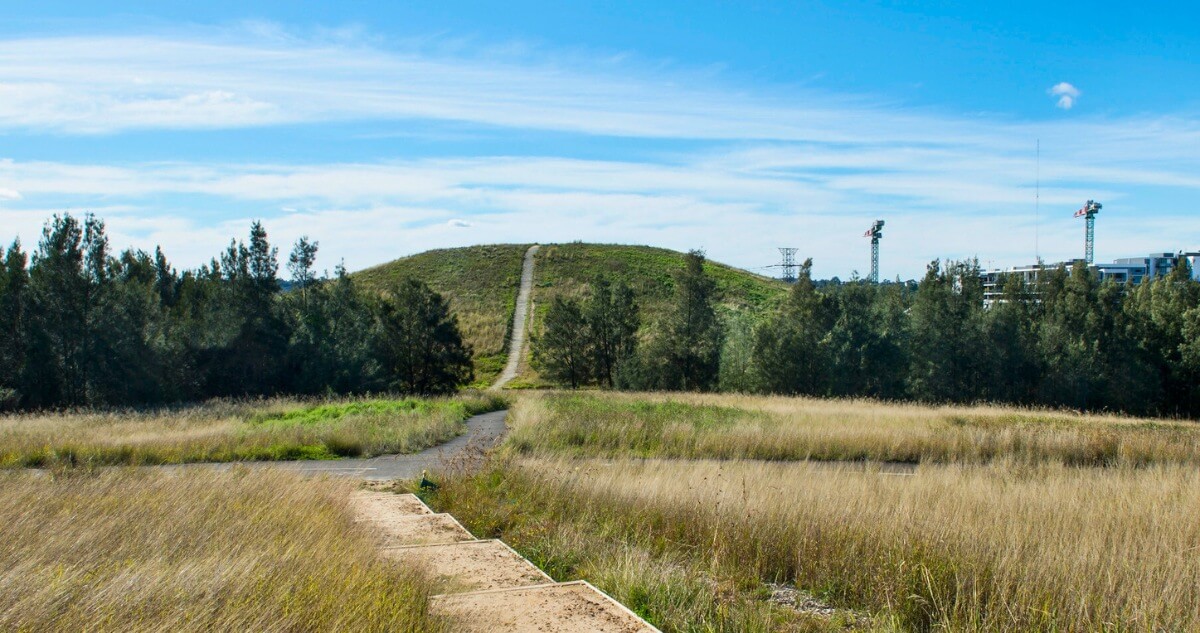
[(876, 234), (1089, 212), (789, 264), (1037, 206)]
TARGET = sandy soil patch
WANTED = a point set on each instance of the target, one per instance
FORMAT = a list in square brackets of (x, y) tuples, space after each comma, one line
[(473, 566), (575, 607)]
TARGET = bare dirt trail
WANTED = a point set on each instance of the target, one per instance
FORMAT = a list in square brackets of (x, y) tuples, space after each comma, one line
[(516, 345)]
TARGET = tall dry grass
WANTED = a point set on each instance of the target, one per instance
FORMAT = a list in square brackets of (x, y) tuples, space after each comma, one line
[(222, 430), (959, 548), (195, 551), (777, 428)]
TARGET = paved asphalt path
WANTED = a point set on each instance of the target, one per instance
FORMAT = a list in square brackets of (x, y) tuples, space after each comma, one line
[(483, 431)]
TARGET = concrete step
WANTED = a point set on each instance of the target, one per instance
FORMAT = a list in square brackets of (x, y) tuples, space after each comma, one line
[(572, 607), (379, 505), (472, 565), (420, 529)]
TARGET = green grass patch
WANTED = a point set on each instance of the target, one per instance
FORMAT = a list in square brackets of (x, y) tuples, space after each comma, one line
[(327, 413), (223, 431)]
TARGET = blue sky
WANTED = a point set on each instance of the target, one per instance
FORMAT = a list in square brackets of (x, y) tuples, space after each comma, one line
[(383, 129)]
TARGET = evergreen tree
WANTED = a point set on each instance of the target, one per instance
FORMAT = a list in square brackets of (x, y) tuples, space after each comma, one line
[(248, 336), (1156, 315), (1069, 338), (737, 372), (562, 352), (611, 318), (418, 344), (300, 265), (60, 292), (1012, 336), (1189, 359), (864, 353), (328, 351), (686, 353), (949, 355), (14, 299), (791, 350)]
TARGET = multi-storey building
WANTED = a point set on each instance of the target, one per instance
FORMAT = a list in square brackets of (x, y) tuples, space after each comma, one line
[(1129, 269)]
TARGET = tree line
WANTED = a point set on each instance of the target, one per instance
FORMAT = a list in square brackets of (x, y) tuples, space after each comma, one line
[(83, 326), (1066, 340)]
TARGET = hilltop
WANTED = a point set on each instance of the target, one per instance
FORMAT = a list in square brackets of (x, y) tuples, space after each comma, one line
[(481, 284)]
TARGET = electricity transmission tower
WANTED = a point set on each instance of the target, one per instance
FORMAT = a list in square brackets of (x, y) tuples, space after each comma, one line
[(788, 265), (1089, 212), (876, 234)]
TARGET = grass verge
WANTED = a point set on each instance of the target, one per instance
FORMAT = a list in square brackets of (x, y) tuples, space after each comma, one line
[(221, 431)]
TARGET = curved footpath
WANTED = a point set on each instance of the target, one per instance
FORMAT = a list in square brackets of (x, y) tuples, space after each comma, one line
[(483, 432), (516, 344)]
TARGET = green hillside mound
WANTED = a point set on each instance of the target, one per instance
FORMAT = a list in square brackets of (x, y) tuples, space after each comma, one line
[(481, 283), (570, 269)]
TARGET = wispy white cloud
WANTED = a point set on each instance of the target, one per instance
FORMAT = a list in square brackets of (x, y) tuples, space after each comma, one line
[(94, 84), (9, 194), (739, 203), (788, 166), (1066, 93)]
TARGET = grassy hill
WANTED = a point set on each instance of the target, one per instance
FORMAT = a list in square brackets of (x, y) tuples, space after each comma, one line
[(570, 269), (482, 281)]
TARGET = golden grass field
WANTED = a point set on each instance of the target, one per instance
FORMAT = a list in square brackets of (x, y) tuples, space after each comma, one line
[(223, 430), (195, 550), (1009, 520), (779, 428)]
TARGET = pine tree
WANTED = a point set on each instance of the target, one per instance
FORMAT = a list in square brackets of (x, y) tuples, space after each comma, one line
[(863, 350), (14, 299), (949, 353), (300, 265), (1010, 329), (59, 293), (791, 350), (686, 353), (418, 344), (562, 352), (611, 319)]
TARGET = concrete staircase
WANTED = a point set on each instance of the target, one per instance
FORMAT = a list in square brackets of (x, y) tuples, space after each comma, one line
[(485, 584)]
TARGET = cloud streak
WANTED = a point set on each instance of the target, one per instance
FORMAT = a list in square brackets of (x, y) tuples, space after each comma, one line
[(739, 203), (756, 170)]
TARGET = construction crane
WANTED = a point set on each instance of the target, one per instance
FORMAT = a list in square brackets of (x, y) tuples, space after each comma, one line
[(876, 234), (1089, 211)]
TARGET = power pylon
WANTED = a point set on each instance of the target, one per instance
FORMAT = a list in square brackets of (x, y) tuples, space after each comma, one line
[(1089, 212), (788, 265), (876, 234)]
